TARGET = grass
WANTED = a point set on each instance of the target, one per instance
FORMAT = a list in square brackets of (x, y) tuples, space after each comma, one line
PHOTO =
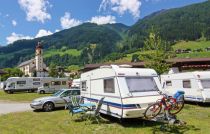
[(20, 96), (73, 52), (192, 45), (194, 55), (60, 122)]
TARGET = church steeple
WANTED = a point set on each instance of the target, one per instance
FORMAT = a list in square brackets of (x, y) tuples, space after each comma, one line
[(39, 58)]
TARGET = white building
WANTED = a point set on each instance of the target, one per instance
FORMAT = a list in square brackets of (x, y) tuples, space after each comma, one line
[(36, 66)]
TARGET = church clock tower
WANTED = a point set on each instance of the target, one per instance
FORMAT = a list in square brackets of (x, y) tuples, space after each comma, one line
[(39, 58)]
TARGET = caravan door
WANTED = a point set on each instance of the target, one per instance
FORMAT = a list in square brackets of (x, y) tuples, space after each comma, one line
[(205, 83)]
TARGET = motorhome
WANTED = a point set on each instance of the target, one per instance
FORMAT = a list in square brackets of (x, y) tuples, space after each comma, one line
[(196, 85), (53, 85), (75, 83), (127, 91), (17, 84)]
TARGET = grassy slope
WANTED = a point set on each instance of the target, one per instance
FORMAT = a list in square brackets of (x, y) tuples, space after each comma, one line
[(20, 97), (197, 118), (181, 45), (73, 52), (193, 45)]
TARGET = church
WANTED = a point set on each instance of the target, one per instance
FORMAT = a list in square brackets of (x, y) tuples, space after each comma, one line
[(35, 67)]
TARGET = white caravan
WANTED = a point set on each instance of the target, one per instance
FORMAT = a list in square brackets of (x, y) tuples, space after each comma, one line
[(17, 84), (196, 85), (76, 83), (127, 91), (53, 85)]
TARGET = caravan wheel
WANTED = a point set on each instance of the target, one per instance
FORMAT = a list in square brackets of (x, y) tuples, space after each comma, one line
[(10, 92), (42, 92)]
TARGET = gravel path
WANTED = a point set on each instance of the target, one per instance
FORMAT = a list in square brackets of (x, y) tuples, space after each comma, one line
[(10, 107)]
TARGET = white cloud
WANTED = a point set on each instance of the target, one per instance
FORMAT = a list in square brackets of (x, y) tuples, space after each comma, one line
[(100, 20), (122, 6), (14, 37), (68, 22), (14, 23), (43, 32), (36, 10), (57, 30)]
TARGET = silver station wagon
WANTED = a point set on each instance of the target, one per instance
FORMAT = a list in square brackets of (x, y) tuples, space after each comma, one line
[(58, 99)]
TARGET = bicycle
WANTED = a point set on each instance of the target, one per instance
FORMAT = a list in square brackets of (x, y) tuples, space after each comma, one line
[(171, 105)]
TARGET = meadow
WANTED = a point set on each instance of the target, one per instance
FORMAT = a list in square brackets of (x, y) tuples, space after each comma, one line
[(61, 122), (20, 96)]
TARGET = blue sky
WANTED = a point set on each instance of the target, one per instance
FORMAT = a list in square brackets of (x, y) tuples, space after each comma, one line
[(27, 19)]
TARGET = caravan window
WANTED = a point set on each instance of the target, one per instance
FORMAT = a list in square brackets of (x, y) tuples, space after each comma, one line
[(139, 84), (168, 83), (36, 79), (46, 84), (56, 83), (21, 82), (109, 86), (186, 84), (205, 83), (84, 86), (63, 82), (36, 83)]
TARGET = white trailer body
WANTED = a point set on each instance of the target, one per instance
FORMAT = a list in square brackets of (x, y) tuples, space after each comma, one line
[(76, 83), (127, 91), (196, 85), (16, 84), (53, 85)]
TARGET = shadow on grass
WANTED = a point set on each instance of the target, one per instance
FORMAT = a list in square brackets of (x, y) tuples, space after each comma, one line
[(198, 104), (169, 129), (156, 127), (56, 109)]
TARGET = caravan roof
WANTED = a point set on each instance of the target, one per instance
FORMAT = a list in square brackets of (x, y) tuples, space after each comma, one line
[(115, 70), (189, 75)]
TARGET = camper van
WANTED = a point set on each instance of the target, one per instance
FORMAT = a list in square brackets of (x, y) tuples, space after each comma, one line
[(196, 85), (127, 91), (17, 84), (75, 83), (53, 85)]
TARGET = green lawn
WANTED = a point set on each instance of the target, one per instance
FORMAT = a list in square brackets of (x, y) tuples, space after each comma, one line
[(73, 52), (60, 122), (194, 55), (192, 45), (20, 96)]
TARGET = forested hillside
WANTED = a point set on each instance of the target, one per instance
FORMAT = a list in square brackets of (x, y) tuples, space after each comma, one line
[(186, 23), (92, 43), (103, 36)]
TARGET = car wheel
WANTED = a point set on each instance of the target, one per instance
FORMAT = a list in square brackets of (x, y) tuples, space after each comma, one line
[(42, 92), (48, 106)]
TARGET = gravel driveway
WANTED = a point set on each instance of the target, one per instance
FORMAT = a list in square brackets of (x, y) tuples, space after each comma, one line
[(9, 107)]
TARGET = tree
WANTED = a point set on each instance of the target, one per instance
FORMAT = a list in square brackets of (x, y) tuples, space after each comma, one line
[(53, 72), (135, 58), (160, 51), (11, 72)]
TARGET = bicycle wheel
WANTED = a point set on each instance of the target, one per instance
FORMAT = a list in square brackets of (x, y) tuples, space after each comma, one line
[(152, 111), (176, 107)]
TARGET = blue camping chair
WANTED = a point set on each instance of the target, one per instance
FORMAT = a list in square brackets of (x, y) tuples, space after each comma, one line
[(74, 107)]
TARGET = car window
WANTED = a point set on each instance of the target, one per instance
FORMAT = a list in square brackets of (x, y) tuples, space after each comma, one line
[(75, 92), (66, 93)]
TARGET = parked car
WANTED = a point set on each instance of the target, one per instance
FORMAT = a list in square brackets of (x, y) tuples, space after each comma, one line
[(58, 99)]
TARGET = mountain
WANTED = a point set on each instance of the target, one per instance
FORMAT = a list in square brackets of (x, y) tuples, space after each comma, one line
[(92, 43), (77, 37), (186, 23)]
